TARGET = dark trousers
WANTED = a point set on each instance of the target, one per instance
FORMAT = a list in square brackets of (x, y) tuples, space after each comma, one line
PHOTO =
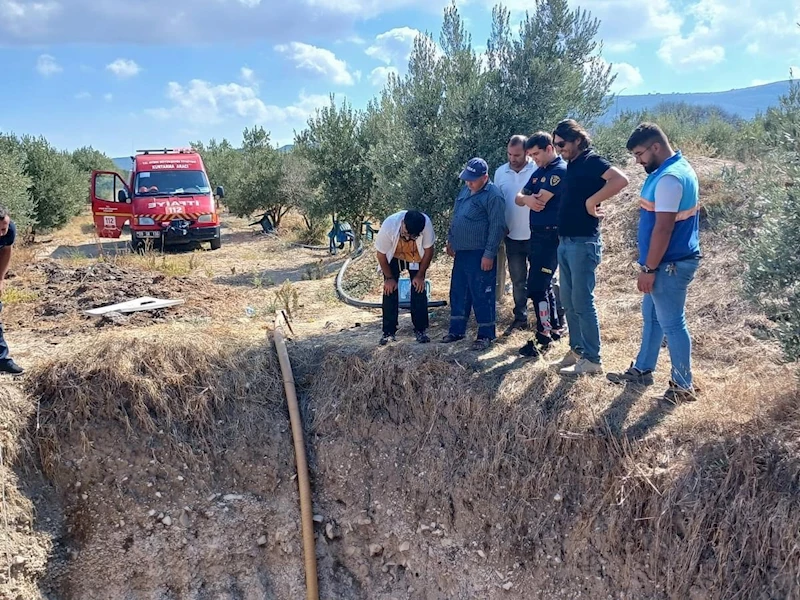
[(471, 288), (517, 256), (391, 303), (543, 259), (3, 344)]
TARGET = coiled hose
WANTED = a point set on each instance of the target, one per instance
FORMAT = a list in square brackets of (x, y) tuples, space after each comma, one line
[(348, 299)]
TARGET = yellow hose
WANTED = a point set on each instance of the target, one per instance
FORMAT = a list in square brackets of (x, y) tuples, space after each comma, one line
[(306, 514)]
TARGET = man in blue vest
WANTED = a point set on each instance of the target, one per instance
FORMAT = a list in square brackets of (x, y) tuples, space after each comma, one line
[(669, 253)]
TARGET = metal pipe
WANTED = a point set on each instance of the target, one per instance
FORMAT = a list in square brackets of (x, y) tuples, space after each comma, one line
[(348, 299), (306, 513)]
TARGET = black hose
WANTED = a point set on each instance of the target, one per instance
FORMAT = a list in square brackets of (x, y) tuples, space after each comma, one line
[(309, 247), (348, 299)]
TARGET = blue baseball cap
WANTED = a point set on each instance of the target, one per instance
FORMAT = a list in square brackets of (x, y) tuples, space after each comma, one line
[(475, 169)]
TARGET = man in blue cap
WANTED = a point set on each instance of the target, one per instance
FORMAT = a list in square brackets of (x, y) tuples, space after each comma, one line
[(476, 230)]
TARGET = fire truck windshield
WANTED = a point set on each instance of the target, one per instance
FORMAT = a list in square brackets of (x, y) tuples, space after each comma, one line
[(154, 183)]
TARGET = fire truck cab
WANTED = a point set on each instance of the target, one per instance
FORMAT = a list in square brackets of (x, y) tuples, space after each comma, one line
[(166, 201)]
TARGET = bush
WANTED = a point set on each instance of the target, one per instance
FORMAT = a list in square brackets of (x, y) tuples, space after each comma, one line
[(14, 184)]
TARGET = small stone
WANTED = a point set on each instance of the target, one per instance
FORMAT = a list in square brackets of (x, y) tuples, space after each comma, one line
[(351, 550), (167, 521), (212, 497), (558, 498), (507, 585), (447, 543), (423, 528), (481, 553), (84, 496), (158, 494), (19, 559), (184, 519), (262, 541), (318, 519), (180, 477), (375, 549), (364, 521), (151, 513), (77, 485), (229, 497), (404, 547), (330, 531)]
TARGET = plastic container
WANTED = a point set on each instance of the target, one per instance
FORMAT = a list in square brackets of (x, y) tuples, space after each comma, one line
[(404, 289)]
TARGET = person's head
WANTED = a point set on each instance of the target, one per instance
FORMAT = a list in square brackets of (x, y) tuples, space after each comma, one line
[(649, 146), (516, 152), (5, 220), (570, 138), (475, 174), (412, 225), (540, 148)]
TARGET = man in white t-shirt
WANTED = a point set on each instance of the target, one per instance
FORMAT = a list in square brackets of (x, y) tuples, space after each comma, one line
[(405, 241), (511, 177)]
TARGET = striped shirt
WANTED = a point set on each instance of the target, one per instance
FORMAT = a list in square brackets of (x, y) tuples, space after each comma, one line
[(479, 221)]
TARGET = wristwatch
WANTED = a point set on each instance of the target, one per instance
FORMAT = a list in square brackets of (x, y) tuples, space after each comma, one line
[(648, 270)]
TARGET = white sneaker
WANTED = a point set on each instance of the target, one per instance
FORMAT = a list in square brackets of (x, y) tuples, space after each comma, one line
[(570, 358), (582, 367)]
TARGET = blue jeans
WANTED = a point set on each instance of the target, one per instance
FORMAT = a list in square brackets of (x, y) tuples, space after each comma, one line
[(472, 289), (578, 258), (3, 344), (663, 313)]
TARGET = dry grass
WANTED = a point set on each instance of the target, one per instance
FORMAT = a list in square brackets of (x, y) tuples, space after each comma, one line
[(695, 509), (199, 390)]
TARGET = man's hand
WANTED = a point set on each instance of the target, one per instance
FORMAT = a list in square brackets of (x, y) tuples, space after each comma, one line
[(538, 204), (449, 250), (593, 208), (487, 263), (645, 282), (389, 286), (419, 283)]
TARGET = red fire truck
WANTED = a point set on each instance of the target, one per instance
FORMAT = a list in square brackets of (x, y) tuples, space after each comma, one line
[(167, 200)]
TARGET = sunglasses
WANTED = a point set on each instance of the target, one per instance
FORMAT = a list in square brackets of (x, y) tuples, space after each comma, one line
[(560, 144)]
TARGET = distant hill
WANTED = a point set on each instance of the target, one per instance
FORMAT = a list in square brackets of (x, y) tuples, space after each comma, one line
[(743, 102), (286, 148)]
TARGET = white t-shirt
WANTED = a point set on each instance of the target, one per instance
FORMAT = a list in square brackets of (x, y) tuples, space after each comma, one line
[(510, 183), (389, 235), (669, 192)]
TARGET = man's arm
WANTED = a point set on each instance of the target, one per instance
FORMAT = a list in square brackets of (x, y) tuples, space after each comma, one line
[(616, 181), (669, 192), (384, 264), (496, 214)]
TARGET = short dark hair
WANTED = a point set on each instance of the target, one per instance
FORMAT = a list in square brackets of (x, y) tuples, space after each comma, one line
[(570, 131), (540, 139), (415, 222), (3, 212), (517, 140), (646, 133)]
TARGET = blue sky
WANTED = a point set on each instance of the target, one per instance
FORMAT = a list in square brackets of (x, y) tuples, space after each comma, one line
[(121, 75)]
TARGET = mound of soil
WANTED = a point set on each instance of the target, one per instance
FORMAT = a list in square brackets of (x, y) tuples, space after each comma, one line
[(67, 292)]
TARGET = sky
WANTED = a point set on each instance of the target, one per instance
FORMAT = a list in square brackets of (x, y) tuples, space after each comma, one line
[(121, 75)]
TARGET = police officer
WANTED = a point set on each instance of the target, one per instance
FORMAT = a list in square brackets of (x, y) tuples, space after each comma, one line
[(542, 195), (8, 234)]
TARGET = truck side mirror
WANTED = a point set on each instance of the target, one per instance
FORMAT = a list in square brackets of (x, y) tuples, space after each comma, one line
[(220, 191), (122, 196)]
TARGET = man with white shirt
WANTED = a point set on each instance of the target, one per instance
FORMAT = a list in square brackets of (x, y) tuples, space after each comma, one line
[(405, 241), (511, 177)]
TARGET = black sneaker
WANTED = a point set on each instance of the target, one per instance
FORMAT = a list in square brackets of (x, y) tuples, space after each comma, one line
[(9, 366), (450, 338), (530, 350), (676, 394), (545, 341), (387, 337), (632, 375), (422, 337), (481, 344)]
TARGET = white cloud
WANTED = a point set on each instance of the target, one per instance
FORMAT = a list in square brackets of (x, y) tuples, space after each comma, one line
[(47, 65), (108, 97), (83, 96), (124, 68), (621, 47), (319, 61), (201, 102), (248, 75), (394, 47), (379, 75), (628, 76), (689, 53)]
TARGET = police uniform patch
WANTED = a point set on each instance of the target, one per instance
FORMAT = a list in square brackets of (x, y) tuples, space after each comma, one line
[(543, 179), (554, 180)]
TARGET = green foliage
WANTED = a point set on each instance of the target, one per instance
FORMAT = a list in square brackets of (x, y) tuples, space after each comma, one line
[(58, 188), (223, 164), (336, 144), (297, 191), (773, 273), (14, 186), (86, 160)]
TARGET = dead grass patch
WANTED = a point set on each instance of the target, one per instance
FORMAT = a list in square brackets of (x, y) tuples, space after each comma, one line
[(536, 470)]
